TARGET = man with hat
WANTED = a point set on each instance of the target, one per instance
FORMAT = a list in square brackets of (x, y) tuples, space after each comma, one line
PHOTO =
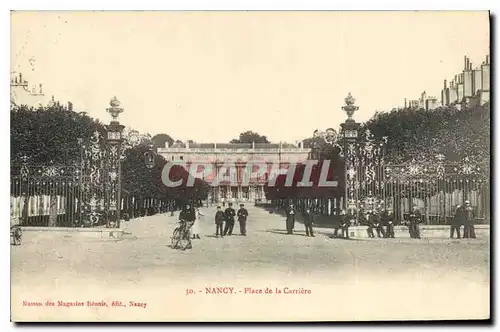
[(290, 219), (229, 214), (242, 218), (219, 221), (415, 220), (457, 221), (469, 219), (388, 221), (308, 222), (372, 221)]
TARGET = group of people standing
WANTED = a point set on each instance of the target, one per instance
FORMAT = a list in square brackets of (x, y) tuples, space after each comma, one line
[(383, 222), (464, 215), (227, 216)]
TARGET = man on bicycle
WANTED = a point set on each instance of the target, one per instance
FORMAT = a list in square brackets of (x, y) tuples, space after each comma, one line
[(188, 216)]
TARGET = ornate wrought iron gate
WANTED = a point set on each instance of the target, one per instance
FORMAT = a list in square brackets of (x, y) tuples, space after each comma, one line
[(435, 186), (63, 195)]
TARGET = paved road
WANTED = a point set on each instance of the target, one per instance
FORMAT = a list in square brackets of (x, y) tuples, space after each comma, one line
[(355, 279)]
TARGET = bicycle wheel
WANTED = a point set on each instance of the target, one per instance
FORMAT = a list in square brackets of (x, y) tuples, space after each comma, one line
[(176, 237), (185, 241)]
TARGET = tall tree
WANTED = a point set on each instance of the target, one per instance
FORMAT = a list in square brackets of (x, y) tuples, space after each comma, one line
[(249, 137), (159, 140)]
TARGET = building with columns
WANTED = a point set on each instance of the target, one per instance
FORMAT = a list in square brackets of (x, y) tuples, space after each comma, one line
[(238, 154)]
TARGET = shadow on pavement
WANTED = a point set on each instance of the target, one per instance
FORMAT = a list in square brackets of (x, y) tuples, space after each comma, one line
[(279, 231)]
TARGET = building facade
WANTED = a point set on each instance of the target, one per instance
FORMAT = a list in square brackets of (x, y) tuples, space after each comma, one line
[(243, 157), (471, 86), (425, 102), (21, 93)]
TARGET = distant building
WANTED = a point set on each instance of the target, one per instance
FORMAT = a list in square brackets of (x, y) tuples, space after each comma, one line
[(424, 102), (471, 86), (238, 154), (23, 94)]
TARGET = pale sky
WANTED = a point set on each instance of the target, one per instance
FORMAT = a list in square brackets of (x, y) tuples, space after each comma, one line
[(208, 76)]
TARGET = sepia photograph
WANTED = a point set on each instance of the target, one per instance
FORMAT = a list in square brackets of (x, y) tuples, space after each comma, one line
[(250, 166)]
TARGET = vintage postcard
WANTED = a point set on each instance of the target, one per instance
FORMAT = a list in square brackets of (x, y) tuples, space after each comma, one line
[(236, 166)]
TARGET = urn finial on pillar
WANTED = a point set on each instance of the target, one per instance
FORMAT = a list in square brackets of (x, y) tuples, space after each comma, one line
[(350, 107)]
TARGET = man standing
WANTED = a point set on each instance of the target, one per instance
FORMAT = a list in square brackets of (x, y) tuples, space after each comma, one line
[(415, 220), (388, 221), (290, 219), (457, 221), (371, 224), (338, 224), (219, 221), (308, 222), (345, 222), (379, 226), (469, 219), (242, 218), (229, 214)]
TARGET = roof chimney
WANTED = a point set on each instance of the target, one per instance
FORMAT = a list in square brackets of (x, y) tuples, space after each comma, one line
[(405, 103), (20, 78), (445, 84), (465, 62), (253, 145), (41, 89), (166, 144), (187, 144), (487, 59)]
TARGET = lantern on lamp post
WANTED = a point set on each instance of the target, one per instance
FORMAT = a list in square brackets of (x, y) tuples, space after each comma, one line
[(114, 142)]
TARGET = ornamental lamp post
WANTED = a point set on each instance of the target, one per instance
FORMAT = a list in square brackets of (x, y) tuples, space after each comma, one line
[(350, 133), (114, 142)]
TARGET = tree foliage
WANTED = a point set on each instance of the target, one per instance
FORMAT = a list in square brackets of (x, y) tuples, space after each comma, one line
[(159, 140), (421, 134), (249, 137), (49, 135)]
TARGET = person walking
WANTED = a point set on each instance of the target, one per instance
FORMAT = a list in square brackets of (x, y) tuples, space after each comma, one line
[(469, 219), (308, 222), (219, 222), (229, 214), (196, 225), (242, 219), (415, 220), (457, 221), (290, 219)]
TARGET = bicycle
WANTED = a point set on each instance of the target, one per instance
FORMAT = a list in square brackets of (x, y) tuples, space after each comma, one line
[(180, 236), (16, 235)]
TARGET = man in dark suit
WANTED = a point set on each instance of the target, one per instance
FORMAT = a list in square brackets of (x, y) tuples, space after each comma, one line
[(388, 222), (219, 221), (371, 218), (308, 222), (457, 221), (242, 218), (469, 219), (290, 219), (415, 220), (345, 222), (229, 214), (379, 225)]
